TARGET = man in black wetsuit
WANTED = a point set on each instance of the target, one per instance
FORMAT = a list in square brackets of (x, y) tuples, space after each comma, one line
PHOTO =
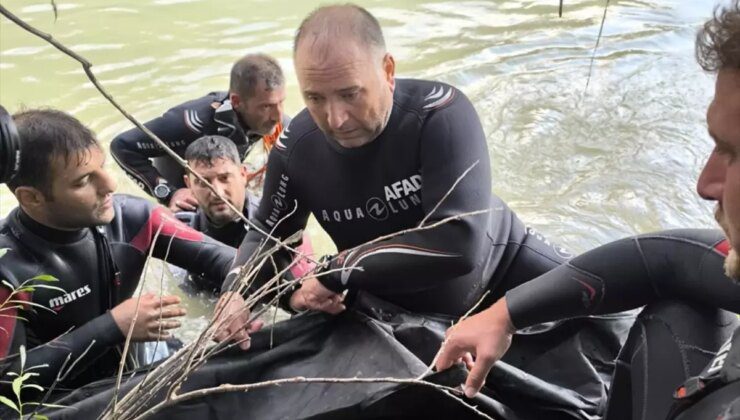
[(372, 155), (216, 159), (252, 110), (679, 361), (70, 226)]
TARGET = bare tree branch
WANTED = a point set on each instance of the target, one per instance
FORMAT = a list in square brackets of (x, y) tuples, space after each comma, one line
[(596, 47), (225, 388)]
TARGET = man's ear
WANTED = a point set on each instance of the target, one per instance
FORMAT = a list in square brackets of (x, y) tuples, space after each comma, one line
[(236, 100), (244, 172), (30, 197), (186, 180), (389, 70)]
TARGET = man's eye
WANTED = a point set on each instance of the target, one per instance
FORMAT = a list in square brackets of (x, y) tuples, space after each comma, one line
[(725, 151), (350, 96)]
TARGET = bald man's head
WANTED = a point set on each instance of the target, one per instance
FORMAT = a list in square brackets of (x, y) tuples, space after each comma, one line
[(325, 26)]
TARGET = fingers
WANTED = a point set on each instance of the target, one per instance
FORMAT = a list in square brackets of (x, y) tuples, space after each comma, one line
[(477, 375), (468, 360), (172, 312), (447, 357), (255, 326)]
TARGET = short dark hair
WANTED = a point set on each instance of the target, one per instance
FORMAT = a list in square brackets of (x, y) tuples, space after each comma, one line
[(718, 41), (250, 69), (209, 148), (44, 135), (361, 24)]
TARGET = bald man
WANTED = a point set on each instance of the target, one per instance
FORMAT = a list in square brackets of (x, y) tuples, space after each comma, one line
[(372, 155)]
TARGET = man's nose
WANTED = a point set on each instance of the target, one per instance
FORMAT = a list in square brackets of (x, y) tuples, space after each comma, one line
[(711, 182), (336, 115)]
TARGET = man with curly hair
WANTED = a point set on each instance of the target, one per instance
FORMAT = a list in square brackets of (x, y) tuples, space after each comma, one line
[(679, 361)]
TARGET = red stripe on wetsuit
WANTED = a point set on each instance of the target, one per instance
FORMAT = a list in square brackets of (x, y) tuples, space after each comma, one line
[(9, 317), (160, 217), (723, 247)]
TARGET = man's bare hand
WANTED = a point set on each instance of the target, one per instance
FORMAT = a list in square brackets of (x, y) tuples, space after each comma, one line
[(314, 296), (486, 335), (154, 319), (233, 321), (183, 200)]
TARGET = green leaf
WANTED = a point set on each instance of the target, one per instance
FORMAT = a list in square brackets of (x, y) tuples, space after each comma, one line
[(3, 251), (45, 277), (12, 374), (17, 383), (34, 386), (9, 403), (40, 417)]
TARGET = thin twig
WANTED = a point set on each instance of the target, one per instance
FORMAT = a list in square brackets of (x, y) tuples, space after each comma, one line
[(54, 8), (447, 194), (130, 333), (593, 55), (224, 388), (87, 67)]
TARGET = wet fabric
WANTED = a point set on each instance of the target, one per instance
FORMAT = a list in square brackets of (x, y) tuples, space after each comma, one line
[(377, 339)]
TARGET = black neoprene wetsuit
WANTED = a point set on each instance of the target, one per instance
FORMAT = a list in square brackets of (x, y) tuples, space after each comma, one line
[(669, 343), (98, 268), (178, 127), (359, 194), (230, 234)]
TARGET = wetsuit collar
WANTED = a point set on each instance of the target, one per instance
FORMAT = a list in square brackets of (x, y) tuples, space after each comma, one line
[(48, 233)]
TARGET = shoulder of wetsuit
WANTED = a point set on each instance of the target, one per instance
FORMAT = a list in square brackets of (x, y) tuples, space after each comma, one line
[(425, 96), (130, 213), (301, 127), (19, 262)]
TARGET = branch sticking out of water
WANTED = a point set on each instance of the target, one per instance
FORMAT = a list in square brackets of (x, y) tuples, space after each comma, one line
[(87, 67), (56, 12), (593, 55), (560, 9)]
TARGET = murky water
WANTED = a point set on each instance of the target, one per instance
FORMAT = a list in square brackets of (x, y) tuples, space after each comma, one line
[(582, 166)]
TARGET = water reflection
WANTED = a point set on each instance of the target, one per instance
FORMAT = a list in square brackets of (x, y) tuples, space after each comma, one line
[(582, 167)]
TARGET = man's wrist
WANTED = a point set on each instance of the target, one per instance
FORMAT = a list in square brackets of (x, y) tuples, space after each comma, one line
[(332, 280)]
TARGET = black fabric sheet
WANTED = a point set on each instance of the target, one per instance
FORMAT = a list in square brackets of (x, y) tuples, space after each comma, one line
[(560, 372)]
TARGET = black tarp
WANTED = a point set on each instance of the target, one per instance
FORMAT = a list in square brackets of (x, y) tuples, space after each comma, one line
[(558, 372)]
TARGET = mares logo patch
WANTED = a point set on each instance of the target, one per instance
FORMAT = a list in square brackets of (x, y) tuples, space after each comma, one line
[(58, 302)]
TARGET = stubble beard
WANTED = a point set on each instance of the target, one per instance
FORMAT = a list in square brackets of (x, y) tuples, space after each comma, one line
[(732, 261)]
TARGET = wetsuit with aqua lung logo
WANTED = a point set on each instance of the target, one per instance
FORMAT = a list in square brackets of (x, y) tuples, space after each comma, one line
[(691, 313), (97, 268), (178, 127), (433, 136)]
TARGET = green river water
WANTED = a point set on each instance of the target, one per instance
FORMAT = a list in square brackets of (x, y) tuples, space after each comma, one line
[(581, 166)]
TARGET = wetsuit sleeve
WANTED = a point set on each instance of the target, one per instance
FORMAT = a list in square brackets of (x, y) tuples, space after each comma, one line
[(178, 127), (452, 140), (280, 213), (629, 273), (177, 243), (100, 333)]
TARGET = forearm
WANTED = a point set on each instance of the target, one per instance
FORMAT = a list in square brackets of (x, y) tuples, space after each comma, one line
[(81, 345), (627, 274)]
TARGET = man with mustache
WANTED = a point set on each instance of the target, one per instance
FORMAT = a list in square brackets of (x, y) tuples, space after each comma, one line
[(679, 361), (251, 111), (216, 159)]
